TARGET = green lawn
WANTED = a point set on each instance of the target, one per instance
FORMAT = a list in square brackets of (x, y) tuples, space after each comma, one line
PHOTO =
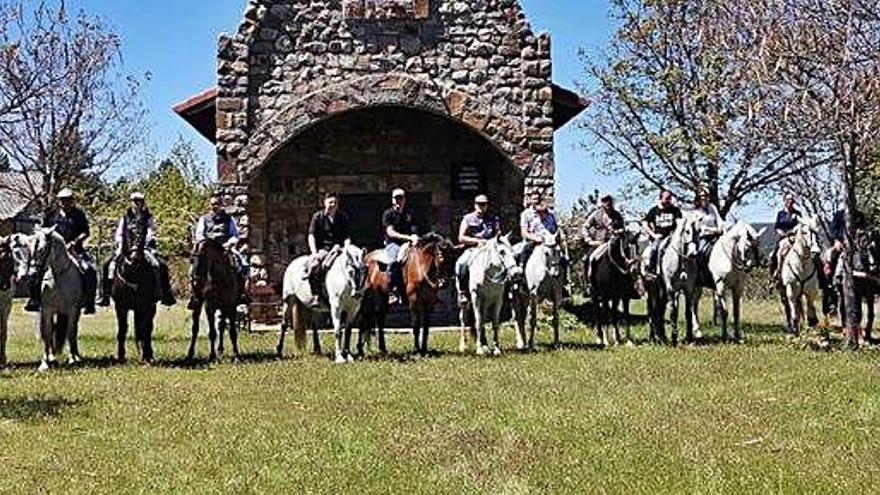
[(761, 417)]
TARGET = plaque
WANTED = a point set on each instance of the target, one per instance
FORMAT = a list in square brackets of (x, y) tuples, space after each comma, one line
[(386, 10), (468, 180)]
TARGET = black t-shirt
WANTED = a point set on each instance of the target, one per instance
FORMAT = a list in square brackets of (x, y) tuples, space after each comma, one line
[(327, 232), (70, 226), (401, 221), (663, 219)]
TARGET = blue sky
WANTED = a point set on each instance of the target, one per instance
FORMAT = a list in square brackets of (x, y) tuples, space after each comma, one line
[(176, 40)]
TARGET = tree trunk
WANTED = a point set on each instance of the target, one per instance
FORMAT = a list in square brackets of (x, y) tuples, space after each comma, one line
[(851, 321)]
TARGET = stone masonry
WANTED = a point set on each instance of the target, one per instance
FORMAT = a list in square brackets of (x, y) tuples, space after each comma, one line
[(296, 63)]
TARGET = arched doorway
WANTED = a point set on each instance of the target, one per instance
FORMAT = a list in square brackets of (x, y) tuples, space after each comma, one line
[(362, 155)]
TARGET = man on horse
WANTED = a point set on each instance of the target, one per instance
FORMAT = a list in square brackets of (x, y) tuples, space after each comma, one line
[(71, 223), (536, 224), (399, 229), (475, 229), (786, 221), (218, 226), (328, 231), (136, 231), (660, 222), (839, 232), (602, 224)]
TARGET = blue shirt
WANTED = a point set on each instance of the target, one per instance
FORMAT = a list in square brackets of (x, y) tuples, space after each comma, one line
[(480, 226), (786, 221)]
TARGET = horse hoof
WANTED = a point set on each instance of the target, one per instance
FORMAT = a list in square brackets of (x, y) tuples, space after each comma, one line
[(496, 351), (740, 341), (698, 334), (349, 359), (520, 346), (44, 367), (119, 359), (340, 360), (212, 358), (481, 350), (462, 348), (630, 344)]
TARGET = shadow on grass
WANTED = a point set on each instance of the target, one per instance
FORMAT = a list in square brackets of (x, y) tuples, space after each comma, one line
[(30, 409), (585, 313), (203, 361)]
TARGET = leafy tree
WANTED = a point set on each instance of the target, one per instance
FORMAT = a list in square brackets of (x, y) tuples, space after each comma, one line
[(68, 111)]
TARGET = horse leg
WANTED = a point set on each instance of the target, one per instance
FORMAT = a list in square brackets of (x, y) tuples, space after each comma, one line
[(479, 325), (721, 310), (812, 319), (380, 325), (736, 296), (286, 319), (146, 318), (496, 330), (693, 315), (689, 311), (73, 337), (221, 329), (416, 322), (520, 310), (426, 325), (554, 323), (347, 341), (533, 322), (338, 331), (783, 296), (233, 336), (191, 353), (869, 322), (46, 335), (211, 315), (4, 333), (673, 318), (462, 318), (629, 340), (121, 332)]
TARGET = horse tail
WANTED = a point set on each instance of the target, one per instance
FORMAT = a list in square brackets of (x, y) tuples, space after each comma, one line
[(299, 327)]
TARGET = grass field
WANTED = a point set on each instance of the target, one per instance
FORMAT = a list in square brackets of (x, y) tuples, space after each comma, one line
[(761, 417)]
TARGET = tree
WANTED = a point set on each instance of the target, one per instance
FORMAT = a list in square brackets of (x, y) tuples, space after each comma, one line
[(75, 114), (829, 57), (679, 102)]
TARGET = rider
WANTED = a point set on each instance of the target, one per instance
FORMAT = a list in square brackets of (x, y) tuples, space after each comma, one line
[(600, 226), (839, 231), (536, 224), (71, 223), (786, 221), (137, 230), (220, 226), (659, 223), (399, 228), (328, 231), (710, 225), (475, 229)]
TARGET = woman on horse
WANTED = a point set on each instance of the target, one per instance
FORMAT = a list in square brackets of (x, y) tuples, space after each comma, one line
[(786, 220), (602, 224), (398, 228), (710, 225), (219, 226), (475, 229), (136, 231), (71, 223), (536, 224)]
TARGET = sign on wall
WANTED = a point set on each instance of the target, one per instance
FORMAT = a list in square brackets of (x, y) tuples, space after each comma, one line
[(386, 9), (468, 180)]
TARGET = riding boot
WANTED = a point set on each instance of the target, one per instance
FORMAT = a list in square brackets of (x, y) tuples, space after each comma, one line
[(315, 288), (105, 285), (394, 283), (243, 296), (35, 293)]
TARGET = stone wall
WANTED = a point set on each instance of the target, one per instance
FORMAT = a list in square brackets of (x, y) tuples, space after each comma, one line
[(295, 63)]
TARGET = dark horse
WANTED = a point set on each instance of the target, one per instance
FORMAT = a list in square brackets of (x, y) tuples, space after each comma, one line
[(426, 270), (217, 292), (613, 285), (134, 289), (866, 280)]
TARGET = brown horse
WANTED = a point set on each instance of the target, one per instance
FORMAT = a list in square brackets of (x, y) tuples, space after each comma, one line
[(134, 289), (217, 292), (426, 270)]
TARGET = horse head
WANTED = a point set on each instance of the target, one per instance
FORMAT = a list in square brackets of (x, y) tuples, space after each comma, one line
[(807, 234), (22, 251), (354, 268), (747, 241), (505, 250), (440, 255)]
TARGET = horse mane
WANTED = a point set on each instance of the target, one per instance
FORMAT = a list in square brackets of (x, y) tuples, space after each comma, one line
[(430, 240)]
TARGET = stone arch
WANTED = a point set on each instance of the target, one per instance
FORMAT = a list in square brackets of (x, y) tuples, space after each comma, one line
[(394, 89)]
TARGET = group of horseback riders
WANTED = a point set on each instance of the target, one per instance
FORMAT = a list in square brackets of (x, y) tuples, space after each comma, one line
[(136, 233)]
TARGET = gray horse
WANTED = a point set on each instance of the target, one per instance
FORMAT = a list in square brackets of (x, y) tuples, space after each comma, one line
[(345, 290), (62, 293), (678, 275), (544, 281), (491, 268)]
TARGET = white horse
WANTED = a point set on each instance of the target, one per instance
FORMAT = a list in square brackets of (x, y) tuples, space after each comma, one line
[(544, 281), (678, 275), (491, 267), (61, 293), (345, 290), (10, 271), (733, 256), (799, 276)]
